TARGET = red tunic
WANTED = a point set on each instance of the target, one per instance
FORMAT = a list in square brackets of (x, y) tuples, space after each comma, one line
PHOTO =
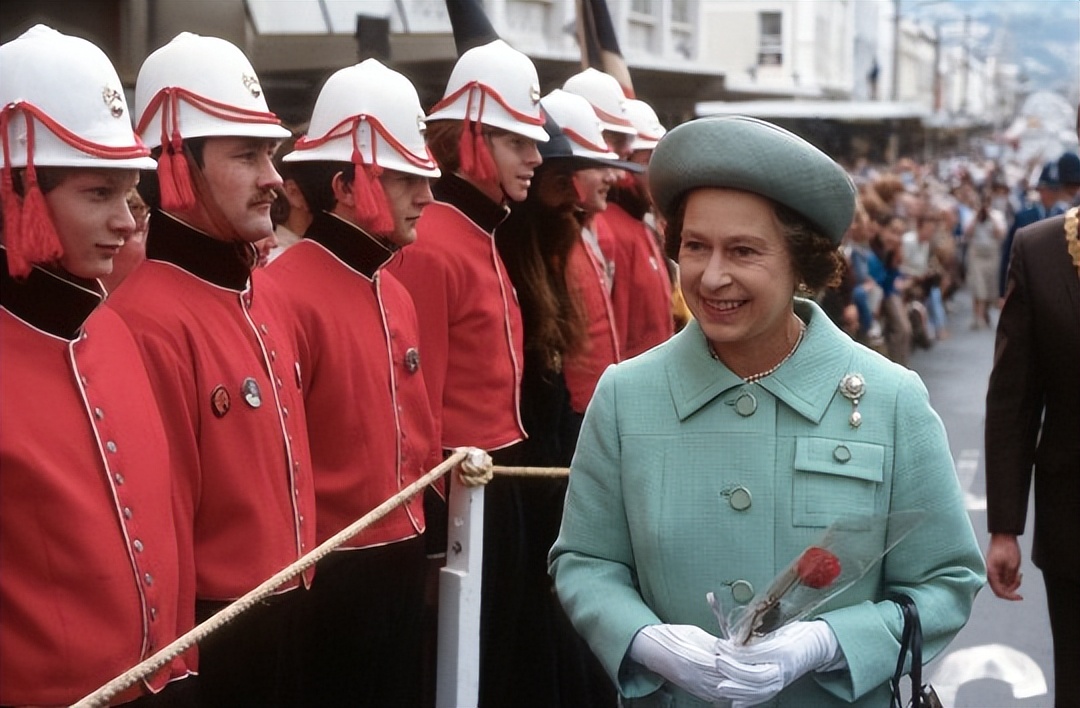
[(641, 291), (90, 580), (582, 370), (470, 329), (369, 419), (219, 348)]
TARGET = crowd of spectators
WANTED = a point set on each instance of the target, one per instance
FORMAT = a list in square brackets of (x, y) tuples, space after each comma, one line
[(925, 230)]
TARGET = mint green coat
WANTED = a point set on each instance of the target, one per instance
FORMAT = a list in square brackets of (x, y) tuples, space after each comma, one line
[(651, 525)]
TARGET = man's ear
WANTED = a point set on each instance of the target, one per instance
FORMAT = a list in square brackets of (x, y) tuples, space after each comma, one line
[(343, 193), (294, 196)]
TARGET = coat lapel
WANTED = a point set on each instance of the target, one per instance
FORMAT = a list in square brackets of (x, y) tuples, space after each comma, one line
[(807, 382)]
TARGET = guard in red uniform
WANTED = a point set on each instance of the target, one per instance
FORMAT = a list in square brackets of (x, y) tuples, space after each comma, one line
[(220, 348), (363, 169), (641, 284), (90, 579), (641, 293), (585, 269), (483, 134)]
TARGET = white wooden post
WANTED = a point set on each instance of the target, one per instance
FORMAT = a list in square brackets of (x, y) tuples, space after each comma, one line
[(458, 679)]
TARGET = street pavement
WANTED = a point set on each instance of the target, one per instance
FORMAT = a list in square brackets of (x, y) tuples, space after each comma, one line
[(1003, 657)]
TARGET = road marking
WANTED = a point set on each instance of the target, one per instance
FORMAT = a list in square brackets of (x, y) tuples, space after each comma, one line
[(967, 465), (992, 661)]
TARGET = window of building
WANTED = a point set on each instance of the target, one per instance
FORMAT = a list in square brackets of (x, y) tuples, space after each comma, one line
[(680, 11), (770, 39)]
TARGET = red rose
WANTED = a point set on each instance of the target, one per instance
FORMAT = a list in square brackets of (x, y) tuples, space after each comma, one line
[(818, 568)]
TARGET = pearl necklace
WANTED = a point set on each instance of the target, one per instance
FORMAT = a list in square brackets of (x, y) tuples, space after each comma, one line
[(754, 378)]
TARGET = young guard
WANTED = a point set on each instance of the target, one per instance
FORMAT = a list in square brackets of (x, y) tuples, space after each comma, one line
[(90, 579), (585, 270), (483, 134), (640, 285), (641, 292), (363, 168), (219, 346)]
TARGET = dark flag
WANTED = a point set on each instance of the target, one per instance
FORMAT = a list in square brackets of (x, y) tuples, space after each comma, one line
[(599, 45), (470, 24)]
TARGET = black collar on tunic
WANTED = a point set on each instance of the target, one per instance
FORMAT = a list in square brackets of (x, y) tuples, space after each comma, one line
[(227, 264), (355, 247), (470, 201), (54, 301)]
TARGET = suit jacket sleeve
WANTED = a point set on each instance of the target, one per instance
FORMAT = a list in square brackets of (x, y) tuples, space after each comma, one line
[(1014, 402)]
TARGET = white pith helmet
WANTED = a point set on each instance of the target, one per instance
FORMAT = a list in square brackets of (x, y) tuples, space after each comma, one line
[(579, 124), (494, 85), (605, 95), (64, 104), (197, 87), (646, 123), (368, 114)]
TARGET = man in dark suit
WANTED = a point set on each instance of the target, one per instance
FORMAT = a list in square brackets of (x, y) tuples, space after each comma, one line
[(1032, 425)]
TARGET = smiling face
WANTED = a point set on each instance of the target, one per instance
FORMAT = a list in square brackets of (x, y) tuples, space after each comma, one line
[(516, 157), (593, 185), (736, 274), (407, 195), (242, 180), (90, 212)]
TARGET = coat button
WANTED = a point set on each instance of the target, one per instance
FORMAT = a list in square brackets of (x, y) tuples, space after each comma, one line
[(841, 453), (745, 404), (110, 446), (137, 545), (742, 591), (273, 355), (153, 613), (119, 478), (263, 328), (98, 413), (127, 512), (148, 579), (740, 499)]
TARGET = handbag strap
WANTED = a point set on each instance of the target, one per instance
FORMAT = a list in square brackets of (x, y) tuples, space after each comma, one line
[(910, 641)]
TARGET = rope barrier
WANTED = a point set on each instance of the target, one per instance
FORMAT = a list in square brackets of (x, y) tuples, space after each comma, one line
[(147, 667), (530, 471), (476, 469)]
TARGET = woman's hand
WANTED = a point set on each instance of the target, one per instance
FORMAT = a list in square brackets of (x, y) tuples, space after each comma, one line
[(791, 651), (689, 657)]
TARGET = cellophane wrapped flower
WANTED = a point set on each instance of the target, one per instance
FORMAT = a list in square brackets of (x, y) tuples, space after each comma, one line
[(846, 551)]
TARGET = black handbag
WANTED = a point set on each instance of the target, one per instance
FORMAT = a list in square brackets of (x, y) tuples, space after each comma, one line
[(922, 694)]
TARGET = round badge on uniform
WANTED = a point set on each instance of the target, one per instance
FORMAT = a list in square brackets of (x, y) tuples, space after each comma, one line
[(412, 360), (219, 401), (252, 395)]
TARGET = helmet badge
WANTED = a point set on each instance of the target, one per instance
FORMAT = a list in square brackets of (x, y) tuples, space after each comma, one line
[(115, 102), (534, 94), (251, 83)]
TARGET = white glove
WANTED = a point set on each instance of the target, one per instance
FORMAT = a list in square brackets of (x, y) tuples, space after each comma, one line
[(793, 650), (686, 655)]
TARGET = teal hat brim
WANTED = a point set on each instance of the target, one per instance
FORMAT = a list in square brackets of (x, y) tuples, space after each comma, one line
[(739, 152)]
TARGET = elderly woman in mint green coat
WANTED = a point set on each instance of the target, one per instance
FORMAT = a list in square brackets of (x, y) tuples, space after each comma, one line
[(712, 461)]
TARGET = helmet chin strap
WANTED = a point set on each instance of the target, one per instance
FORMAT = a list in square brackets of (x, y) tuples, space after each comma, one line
[(206, 211)]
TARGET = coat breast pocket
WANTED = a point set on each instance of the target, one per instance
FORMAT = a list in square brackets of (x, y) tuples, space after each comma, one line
[(835, 478)]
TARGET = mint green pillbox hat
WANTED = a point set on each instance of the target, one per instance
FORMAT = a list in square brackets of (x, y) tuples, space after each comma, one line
[(738, 152)]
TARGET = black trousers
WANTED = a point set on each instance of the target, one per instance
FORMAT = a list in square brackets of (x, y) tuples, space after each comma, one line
[(530, 655), (1063, 602), (364, 621), (255, 660)]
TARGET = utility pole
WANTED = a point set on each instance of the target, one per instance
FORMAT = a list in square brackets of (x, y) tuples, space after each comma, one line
[(896, 51), (966, 67)]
